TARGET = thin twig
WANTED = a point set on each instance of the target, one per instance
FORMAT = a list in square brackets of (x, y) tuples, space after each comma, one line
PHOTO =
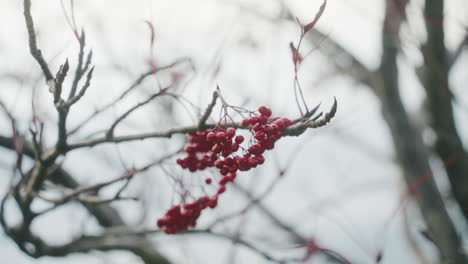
[(135, 84), (110, 132)]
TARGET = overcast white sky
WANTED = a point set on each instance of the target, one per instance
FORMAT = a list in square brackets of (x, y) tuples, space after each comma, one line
[(341, 188)]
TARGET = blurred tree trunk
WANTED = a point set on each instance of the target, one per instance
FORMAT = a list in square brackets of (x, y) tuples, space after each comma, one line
[(410, 149), (409, 146)]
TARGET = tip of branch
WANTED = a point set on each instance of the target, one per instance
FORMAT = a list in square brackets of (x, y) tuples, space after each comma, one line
[(311, 25), (90, 73), (66, 66), (82, 38), (334, 108)]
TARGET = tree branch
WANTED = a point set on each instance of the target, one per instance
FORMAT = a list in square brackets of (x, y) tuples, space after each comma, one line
[(105, 214), (439, 99), (409, 146), (35, 52)]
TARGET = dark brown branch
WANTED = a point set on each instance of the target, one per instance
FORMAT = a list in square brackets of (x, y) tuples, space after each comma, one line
[(135, 84), (210, 233), (56, 90), (314, 123), (127, 176), (79, 68), (35, 52), (448, 145), (458, 51), (105, 214), (83, 90), (294, 130), (409, 145), (136, 244), (209, 109)]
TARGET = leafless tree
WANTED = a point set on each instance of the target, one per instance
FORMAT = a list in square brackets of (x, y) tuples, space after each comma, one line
[(38, 175)]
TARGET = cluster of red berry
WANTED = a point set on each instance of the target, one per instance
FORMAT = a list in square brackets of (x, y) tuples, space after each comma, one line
[(176, 219), (217, 148)]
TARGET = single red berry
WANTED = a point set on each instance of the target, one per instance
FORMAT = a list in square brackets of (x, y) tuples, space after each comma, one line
[(254, 120), (232, 177), (208, 180), (226, 153), (253, 161), (213, 203), (265, 111), (259, 135), (224, 180), (287, 122), (280, 123), (221, 189), (216, 148), (224, 171), (220, 136), (262, 119), (230, 132), (161, 221), (234, 147), (239, 139), (260, 159), (191, 148), (274, 127), (257, 127), (211, 136), (219, 164)]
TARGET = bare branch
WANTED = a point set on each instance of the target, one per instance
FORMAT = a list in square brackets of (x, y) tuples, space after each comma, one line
[(314, 123), (458, 51), (35, 52), (209, 109), (439, 104), (135, 84), (56, 89), (292, 131), (79, 68), (409, 145), (83, 90), (110, 132)]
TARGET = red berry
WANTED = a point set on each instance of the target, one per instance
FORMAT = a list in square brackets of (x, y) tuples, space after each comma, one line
[(239, 139), (208, 180), (221, 189), (253, 161), (260, 159), (280, 123), (211, 136), (161, 221), (259, 135), (234, 147), (254, 120), (220, 136), (265, 111), (262, 120), (219, 164), (230, 132), (224, 171), (213, 203), (224, 180), (287, 122), (216, 148)]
